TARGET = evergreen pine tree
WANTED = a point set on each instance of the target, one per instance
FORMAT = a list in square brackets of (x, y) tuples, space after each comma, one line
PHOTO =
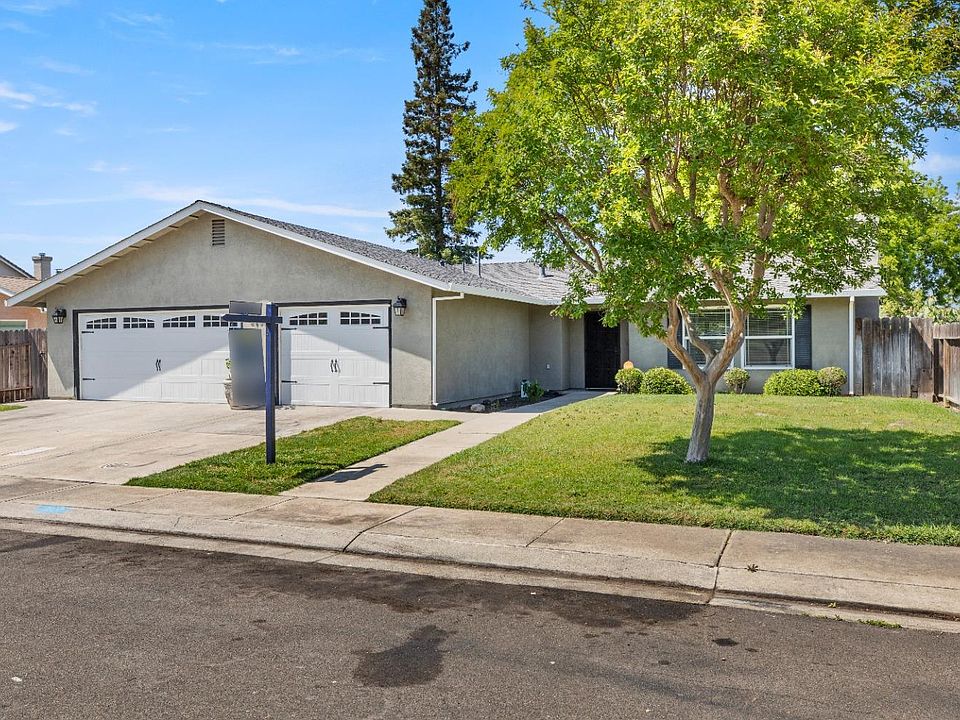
[(440, 95)]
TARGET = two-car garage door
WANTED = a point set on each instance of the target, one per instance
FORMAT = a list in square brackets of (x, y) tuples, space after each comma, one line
[(329, 355)]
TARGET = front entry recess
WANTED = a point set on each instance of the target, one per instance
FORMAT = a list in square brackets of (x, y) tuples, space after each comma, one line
[(602, 351)]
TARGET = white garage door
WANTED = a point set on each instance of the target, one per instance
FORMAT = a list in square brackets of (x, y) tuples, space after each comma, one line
[(335, 355), (171, 356)]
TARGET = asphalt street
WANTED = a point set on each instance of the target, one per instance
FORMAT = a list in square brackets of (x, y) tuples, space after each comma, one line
[(94, 629)]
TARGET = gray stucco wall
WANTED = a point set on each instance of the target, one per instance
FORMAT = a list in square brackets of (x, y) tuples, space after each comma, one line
[(181, 268), (830, 337), (483, 348), (549, 349)]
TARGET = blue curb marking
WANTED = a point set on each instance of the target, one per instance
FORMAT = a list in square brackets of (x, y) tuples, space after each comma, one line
[(53, 509)]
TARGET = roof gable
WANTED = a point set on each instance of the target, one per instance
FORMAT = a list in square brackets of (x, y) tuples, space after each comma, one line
[(11, 269), (397, 262)]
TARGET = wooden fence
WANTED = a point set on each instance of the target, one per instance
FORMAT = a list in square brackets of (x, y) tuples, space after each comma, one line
[(946, 385), (907, 357), (23, 365)]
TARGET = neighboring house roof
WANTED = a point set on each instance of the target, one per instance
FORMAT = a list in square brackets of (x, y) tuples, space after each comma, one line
[(13, 285), (16, 269), (518, 281)]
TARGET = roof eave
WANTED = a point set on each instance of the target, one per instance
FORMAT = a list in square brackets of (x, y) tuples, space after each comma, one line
[(40, 289), (67, 275)]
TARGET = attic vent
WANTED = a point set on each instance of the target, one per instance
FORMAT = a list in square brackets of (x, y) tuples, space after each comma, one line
[(218, 232)]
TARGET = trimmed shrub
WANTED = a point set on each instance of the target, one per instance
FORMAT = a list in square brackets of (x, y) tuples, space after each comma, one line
[(736, 380), (793, 382), (832, 380), (628, 380), (533, 390), (661, 381)]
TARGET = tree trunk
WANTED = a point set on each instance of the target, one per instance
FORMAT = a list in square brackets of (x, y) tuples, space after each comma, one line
[(699, 447)]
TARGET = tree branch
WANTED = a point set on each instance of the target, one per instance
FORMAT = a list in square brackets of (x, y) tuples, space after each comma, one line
[(583, 238), (670, 340), (577, 257), (698, 342)]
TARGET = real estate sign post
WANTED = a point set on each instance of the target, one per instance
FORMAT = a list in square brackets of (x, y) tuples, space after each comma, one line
[(249, 312)]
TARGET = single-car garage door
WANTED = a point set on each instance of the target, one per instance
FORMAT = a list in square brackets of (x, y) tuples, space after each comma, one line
[(169, 356), (335, 355)]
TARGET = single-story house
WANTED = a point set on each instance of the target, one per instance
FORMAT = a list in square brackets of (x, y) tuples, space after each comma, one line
[(14, 280), (142, 320)]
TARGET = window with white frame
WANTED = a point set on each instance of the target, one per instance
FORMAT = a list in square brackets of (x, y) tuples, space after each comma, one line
[(769, 340), (712, 326)]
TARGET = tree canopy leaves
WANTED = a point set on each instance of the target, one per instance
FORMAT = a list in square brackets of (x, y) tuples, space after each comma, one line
[(678, 153)]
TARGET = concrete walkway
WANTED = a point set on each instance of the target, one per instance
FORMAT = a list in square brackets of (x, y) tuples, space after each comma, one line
[(360, 481), (703, 564)]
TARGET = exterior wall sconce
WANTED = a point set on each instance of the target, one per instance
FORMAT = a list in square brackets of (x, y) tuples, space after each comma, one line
[(400, 306), (59, 315)]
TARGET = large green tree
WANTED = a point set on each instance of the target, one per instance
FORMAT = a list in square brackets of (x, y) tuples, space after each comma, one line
[(920, 252), (440, 96), (679, 154)]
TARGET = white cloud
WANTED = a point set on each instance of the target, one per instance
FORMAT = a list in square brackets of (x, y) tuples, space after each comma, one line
[(8, 93), (275, 54), (135, 19), (305, 208), (35, 240), (6, 127), (34, 7), (61, 67), (186, 194), (938, 164), (168, 129), (18, 27), (46, 99), (100, 166), (66, 132)]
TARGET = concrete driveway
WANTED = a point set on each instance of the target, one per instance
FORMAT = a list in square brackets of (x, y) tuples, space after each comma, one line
[(111, 442)]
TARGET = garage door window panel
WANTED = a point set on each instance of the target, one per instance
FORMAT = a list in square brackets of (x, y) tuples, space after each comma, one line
[(217, 321), (108, 323), (309, 319), (138, 323), (181, 321), (359, 318)]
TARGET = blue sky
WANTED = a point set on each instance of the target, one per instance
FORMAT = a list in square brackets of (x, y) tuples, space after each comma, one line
[(114, 114)]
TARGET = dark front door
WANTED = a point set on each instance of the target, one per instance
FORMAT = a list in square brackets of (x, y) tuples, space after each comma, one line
[(602, 346)]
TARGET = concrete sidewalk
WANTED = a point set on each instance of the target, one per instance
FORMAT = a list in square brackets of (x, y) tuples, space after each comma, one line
[(360, 481), (705, 563)]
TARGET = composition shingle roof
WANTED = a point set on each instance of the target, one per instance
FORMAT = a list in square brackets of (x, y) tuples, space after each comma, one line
[(520, 278), (519, 281), (526, 277), (391, 256), (14, 285)]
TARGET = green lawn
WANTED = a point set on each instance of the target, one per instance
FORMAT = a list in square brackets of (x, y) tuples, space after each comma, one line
[(876, 468), (5, 408), (300, 458)]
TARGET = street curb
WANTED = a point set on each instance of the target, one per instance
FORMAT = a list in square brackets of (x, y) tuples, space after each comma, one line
[(711, 581)]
